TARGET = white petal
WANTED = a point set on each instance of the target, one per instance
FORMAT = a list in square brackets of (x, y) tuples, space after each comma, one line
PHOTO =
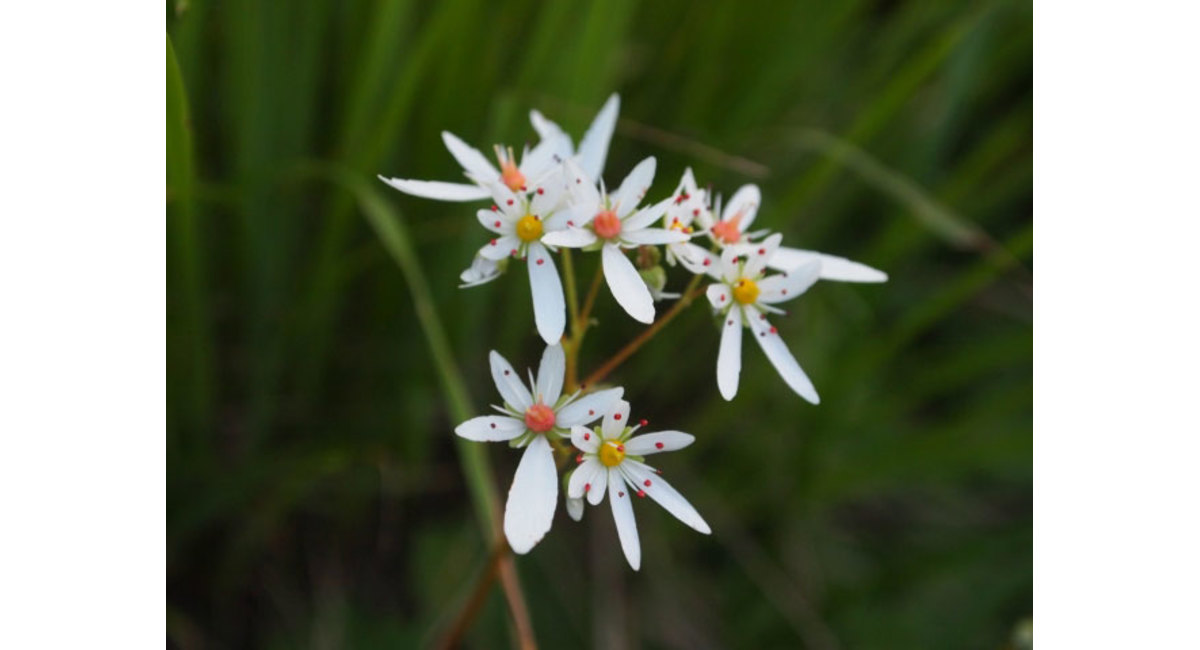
[(570, 238), (481, 271), (491, 428), (653, 237), (593, 148), (619, 496), (788, 285), (575, 216), (646, 216), (473, 162), (547, 195), (744, 201), (730, 268), (582, 185), (687, 183), (781, 357), (550, 374), (756, 255), (729, 357), (589, 408), (585, 475), (575, 508), (500, 248), (718, 295), (649, 443), (615, 420), (509, 383), (584, 439), (626, 285), (633, 188), (506, 200), (595, 494), (532, 497), (546, 128), (549, 307), (666, 496), (834, 268), (545, 156), (693, 258), (490, 218), (438, 190)]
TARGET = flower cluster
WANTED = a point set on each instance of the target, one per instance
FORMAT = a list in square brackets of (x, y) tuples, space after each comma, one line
[(554, 199)]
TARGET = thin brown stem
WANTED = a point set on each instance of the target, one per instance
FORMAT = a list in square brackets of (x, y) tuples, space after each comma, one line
[(589, 302), (624, 353)]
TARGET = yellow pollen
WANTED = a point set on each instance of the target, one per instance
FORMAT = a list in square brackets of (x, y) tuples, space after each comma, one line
[(529, 228), (745, 291), (612, 453)]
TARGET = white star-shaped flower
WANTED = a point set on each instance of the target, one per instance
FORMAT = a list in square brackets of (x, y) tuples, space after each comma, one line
[(530, 415), (534, 165), (593, 148), (522, 225), (743, 296), (614, 222), (731, 231), (611, 461)]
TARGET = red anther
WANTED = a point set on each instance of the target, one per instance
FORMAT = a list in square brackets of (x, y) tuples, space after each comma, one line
[(493, 425), (540, 261), (510, 201), (646, 482), (541, 191), (707, 261), (658, 471), (590, 411), (570, 223), (579, 458), (696, 212), (577, 181), (506, 372), (523, 189), (587, 436), (620, 447), (784, 291), (722, 297), (495, 207), (621, 494), (496, 224), (493, 242), (729, 322), (762, 251), (587, 487), (642, 493), (514, 252), (658, 445), (616, 416), (643, 422), (773, 330)]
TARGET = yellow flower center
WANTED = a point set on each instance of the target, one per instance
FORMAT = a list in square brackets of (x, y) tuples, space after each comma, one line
[(612, 453), (745, 291), (529, 228)]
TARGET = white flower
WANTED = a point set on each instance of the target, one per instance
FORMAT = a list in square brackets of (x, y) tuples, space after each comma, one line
[(593, 148), (521, 224), (611, 460), (743, 297), (615, 222), (530, 414), (688, 206), (731, 231), (535, 163)]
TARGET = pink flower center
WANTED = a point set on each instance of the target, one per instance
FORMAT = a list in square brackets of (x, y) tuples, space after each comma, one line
[(728, 231), (539, 418), (607, 225)]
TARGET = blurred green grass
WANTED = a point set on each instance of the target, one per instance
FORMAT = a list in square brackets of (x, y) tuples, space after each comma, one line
[(314, 495)]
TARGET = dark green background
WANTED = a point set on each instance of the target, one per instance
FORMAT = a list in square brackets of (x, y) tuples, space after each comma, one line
[(314, 493)]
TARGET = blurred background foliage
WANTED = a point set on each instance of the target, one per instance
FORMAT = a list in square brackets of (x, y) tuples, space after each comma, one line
[(315, 497)]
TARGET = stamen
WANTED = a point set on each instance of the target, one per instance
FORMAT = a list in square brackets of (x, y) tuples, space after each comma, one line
[(642, 493), (646, 482), (643, 422), (616, 416), (658, 445)]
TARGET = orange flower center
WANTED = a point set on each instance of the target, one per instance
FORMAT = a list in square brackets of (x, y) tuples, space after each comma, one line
[(606, 224), (728, 231), (512, 176), (539, 418)]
